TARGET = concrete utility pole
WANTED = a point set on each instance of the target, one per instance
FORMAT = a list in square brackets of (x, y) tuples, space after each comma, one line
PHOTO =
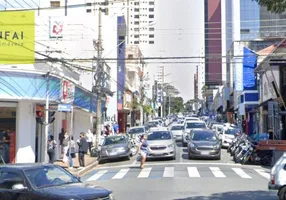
[(98, 82), (46, 124)]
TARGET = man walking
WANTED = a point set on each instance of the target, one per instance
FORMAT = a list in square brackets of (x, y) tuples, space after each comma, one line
[(82, 149)]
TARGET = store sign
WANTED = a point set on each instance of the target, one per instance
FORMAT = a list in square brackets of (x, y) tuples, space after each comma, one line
[(17, 37), (56, 27), (67, 92)]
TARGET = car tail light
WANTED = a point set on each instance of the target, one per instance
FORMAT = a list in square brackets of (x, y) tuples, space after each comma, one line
[(272, 180)]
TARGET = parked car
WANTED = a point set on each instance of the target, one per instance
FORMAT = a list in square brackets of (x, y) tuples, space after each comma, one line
[(228, 135), (277, 177), (115, 147), (136, 131), (204, 143), (188, 126), (45, 182), (162, 144), (177, 131)]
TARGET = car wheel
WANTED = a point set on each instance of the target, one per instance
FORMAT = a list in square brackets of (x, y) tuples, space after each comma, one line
[(282, 193), (219, 157), (189, 156)]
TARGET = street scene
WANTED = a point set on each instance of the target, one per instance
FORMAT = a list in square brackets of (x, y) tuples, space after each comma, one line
[(142, 99)]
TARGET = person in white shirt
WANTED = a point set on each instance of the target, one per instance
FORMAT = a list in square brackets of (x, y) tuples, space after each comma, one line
[(89, 139)]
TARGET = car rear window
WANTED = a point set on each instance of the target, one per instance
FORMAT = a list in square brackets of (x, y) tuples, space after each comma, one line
[(159, 135), (177, 128), (195, 125)]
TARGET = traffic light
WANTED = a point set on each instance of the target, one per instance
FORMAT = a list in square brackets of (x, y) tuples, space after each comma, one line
[(51, 117), (39, 117)]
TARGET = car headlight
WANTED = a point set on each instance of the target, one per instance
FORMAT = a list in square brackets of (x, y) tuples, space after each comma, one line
[(192, 145), (171, 145), (111, 197), (217, 146)]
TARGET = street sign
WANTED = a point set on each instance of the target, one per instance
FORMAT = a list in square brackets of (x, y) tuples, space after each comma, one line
[(64, 107)]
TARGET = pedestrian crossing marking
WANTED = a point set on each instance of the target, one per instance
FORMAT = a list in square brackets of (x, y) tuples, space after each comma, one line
[(217, 172), (169, 172), (193, 172), (145, 172), (121, 174), (97, 175), (263, 173), (241, 173)]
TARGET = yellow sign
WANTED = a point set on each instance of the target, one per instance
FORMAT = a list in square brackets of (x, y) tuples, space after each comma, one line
[(17, 37)]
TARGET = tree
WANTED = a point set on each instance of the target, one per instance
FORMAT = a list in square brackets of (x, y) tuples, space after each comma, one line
[(176, 104), (189, 105), (274, 6)]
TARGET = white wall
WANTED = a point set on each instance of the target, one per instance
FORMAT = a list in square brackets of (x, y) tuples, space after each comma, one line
[(25, 132), (82, 122)]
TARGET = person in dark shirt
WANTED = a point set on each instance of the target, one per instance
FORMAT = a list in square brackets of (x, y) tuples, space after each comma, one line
[(82, 149), (6, 143)]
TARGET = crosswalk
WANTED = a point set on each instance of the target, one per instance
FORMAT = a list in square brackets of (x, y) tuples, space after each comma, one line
[(177, 172)]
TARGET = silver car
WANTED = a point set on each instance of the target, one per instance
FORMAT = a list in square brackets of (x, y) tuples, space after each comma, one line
[(177, 131), (162, 144)]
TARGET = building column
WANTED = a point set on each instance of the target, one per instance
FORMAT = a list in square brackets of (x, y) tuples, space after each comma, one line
[(25, 132), (57, 130)]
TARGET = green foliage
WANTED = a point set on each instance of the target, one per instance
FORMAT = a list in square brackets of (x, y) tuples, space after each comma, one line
[(176, 104), (274, 6)]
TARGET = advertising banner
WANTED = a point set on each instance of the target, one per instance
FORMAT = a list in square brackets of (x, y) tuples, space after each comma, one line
[(56, 27), (67, 92), (17, 36)]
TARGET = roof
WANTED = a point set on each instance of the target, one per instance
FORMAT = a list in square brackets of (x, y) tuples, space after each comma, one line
[(177, 125), (24, 166)]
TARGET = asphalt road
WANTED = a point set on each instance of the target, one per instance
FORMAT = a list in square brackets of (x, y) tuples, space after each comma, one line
[(183, 179)]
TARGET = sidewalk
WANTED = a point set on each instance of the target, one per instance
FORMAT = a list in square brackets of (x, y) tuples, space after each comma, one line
[(90, 163)]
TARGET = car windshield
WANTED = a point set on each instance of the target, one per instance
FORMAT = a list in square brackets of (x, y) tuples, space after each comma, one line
[(114, 140), (49, 176), (204, 136), (136, 130), (177, 128), (159, 135), (195, 125), (231, 131)]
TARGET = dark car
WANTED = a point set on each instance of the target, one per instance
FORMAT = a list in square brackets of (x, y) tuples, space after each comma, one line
[(114, 147), (204, 143), (45, 182)]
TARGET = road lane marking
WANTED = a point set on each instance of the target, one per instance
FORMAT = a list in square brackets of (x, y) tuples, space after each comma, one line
[(241, 173), (169, 172), (263, 173), (97, 175), (217, 172), (145, 172), (193, 172), (121, 174), (134, 162)]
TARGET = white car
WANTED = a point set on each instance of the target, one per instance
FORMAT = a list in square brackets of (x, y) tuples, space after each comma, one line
[(177, 131), (228, 136)]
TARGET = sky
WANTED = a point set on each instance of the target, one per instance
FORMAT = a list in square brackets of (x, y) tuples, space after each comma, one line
[(178, 32)]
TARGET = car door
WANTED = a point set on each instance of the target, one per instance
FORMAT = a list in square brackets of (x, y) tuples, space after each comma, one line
[(8, 179)]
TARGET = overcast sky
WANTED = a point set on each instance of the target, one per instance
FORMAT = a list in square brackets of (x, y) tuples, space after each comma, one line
[(179, 32)]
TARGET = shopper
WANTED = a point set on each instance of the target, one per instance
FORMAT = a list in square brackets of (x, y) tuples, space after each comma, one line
[(89, 139), (52, 144), (71, 152), (6, 144), (82, 150)]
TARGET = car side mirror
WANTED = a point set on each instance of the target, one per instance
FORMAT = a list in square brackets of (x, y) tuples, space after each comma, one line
[(19, 186)]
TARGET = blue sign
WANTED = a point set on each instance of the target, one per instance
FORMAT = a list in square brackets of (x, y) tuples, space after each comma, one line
[(64, 107)]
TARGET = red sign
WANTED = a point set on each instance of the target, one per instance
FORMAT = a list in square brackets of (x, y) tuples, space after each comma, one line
[(67, 93), (12, 147)]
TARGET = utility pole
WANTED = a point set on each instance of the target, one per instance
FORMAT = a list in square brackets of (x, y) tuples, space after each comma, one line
[(45, 156), (99, 74)]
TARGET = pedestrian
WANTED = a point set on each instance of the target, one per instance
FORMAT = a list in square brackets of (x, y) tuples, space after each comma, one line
[(82, 150), (65, 147), (144, 149), (51, 149), (6, 145), (89, 139), (71, 152), (116, 128), (61, 138)]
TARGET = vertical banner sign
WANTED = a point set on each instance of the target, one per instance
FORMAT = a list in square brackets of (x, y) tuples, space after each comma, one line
[(67, 92), (56, 27), (238, 67), (17, 36), (121, 26)]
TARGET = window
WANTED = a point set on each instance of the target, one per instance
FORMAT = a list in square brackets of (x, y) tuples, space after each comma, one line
[(136, 9), (151, 29), (151, 36), (136, 22), (88, 10), (55, 4), (130, 56), (136, 36), (151, 42), (88, 4), (151, 3), (136, 42), (136, 3), (136, 29), (151, 16), (151, 9), (12, 177), (136, 16)]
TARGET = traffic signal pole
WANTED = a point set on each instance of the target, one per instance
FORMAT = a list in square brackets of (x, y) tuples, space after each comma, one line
[(46, 124)]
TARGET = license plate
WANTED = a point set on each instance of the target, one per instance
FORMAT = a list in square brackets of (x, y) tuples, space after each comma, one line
[(158, 154), (113, 153), (205, 153)]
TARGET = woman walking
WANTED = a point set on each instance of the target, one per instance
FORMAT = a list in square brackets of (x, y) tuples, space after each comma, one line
[(51, 149), (144, 149), (71, 152)]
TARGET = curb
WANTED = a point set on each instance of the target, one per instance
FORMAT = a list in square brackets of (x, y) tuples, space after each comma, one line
[(85, 170)]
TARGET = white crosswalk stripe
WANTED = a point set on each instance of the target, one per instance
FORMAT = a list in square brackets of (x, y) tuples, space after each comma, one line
[(145, 172), (121, 174), (193, 172), (217, 172), (97, 175), (169, 172), (263, 173), (241, 173)]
